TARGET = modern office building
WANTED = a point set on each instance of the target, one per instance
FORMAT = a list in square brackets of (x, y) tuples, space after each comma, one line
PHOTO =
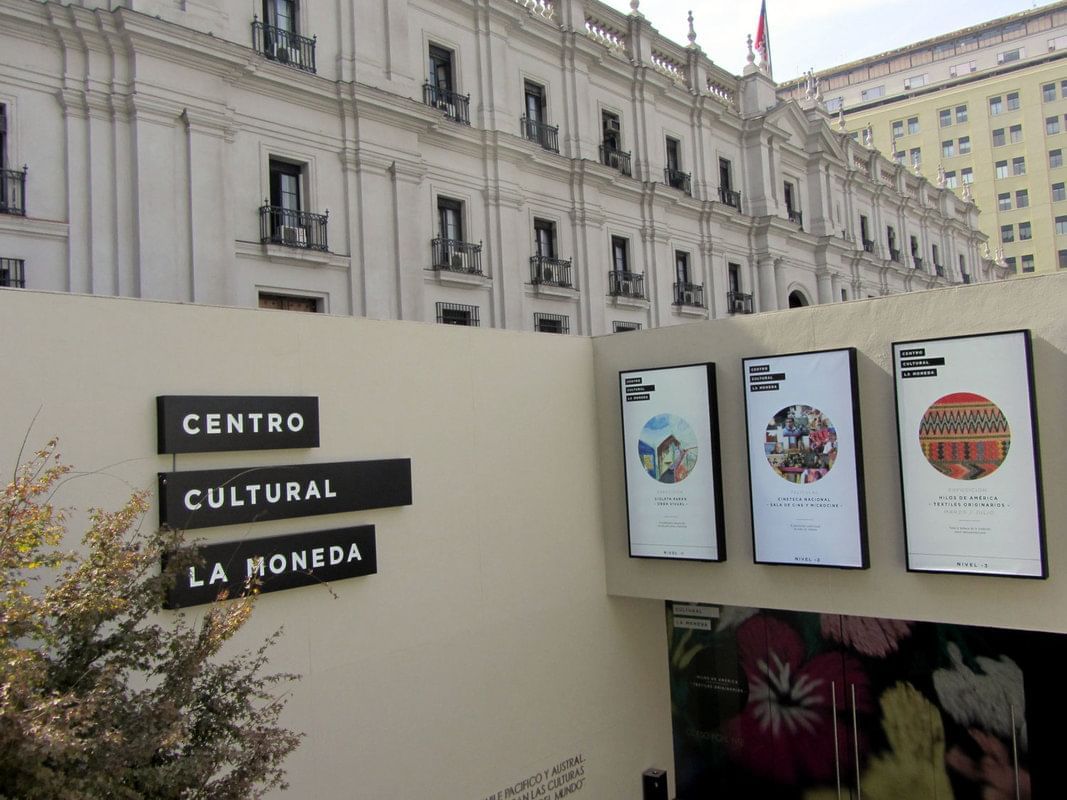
[(557, 167), (981, 110)]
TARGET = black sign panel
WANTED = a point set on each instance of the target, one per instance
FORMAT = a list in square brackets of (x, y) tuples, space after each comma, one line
[(205, 498), (275, 563), (198, 424)]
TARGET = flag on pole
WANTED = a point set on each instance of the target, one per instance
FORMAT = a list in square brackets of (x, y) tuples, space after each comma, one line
[(763, 36)]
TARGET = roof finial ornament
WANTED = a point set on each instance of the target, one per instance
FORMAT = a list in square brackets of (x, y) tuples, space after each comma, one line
[(751, 57), (841, 116), (633, 7), (692, 32), (868, 136), (809, 84), (941, 176), (967, 192)]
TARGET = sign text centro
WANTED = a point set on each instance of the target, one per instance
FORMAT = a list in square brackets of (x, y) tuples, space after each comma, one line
[(275, 563), (202, 424), (205, 498)]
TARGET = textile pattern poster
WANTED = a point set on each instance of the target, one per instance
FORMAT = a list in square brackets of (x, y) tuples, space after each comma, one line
[(805, 459), (968, 455), (671, 449)]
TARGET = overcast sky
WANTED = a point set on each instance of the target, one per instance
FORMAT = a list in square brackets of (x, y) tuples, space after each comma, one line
[(815, 34)]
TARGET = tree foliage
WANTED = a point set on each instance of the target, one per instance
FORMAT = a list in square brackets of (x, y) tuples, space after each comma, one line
[(101, 693)]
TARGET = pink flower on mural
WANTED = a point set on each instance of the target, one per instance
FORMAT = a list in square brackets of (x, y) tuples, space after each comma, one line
[(993, 769), (869, 636), (786, 730)]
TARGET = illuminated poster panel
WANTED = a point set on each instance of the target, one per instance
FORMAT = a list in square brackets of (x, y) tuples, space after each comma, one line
[(805, 459), (968, 455), (671, 448)]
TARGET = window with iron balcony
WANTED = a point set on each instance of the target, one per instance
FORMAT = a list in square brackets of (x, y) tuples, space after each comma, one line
[(533, 124), (13, 273), (621, 281), (283, 220), (449, 250), (611, 153), (277, 36), (672, 174), (545, 268), (686, 293), (439, 91), (12, 181)]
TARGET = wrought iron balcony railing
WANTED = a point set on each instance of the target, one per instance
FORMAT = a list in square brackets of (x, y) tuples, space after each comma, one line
[(616, 159), (730, 198), (13, 273), (283, 46), (626, 284), (456, 106), (452, 255), (545, 135), (13, 191), (292, 228), (689, 294), (678, 180), (868, 245), (894, 255), (796, 218), (738, 303), (550, 271), (918, 261), (939, 270)]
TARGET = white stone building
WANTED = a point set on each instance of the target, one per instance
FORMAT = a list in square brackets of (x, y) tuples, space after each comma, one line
[(536, 167)]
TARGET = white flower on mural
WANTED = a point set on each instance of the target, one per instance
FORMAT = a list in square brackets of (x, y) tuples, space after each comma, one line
[(984, 699)]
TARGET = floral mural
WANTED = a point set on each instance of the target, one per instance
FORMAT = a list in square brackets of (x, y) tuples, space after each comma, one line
[(794, 705)]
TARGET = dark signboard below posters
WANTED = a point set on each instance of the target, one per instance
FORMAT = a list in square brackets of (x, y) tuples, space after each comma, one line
[(215, 424), (275, 563), (206, 498)]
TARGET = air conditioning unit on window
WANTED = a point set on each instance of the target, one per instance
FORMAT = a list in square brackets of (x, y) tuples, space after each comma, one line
[(688, 298), (294, 236), (457, 262), (626, 287), (612, 126), (737, 305), (548, 275)]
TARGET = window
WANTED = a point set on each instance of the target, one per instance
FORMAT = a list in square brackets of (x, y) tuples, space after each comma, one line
[(726, 175), (1028, 263), (681, 267), (873, 93), (961, 111), (1012, 101), (1015, 134), (1057, 43), (936, 254), (967, 175), (965, 145), (914, 241), (962, 68), (456, 314), (535, 127), (1063, 259), (916, 155), (622, 327), (552, 323), (948, 149), (675, 177), (1063, 88), (789, 197), (545, 238), (1004, 201), (1010, 261), (899, 156), (915, 81), (3, 139), (1018, 165), (440, 90), (996, 106), (833, 105), (13, 273), (612, 130), (441, 75), (1055, 158), (897, 129), (1059, 192), (944, 117), (1025, 231), (450, 219), (844, 295), (620, 254), (1008, 56), (285, 180), (284, 302), (285, 221), (1048, 92), (891, 239), (1061, 226), (1052, 126), (1001, 169), (913, 125), (1007, 233), (998, 137), (950, 180), (534, 96), (1022, 198)]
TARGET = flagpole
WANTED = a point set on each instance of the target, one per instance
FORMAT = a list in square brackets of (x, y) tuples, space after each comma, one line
[(767, 38)]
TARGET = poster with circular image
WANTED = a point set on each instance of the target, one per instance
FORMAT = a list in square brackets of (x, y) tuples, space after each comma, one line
[(800, 443), (964, 436), (667, 447)]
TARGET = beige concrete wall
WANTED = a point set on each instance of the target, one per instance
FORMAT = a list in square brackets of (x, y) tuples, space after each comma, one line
[(486, 649), (886, 589)]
